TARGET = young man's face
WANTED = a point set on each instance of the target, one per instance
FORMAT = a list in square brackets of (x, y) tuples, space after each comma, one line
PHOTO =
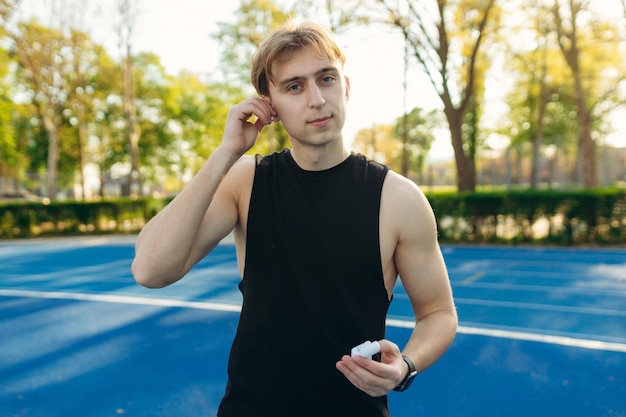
[(310, 92)]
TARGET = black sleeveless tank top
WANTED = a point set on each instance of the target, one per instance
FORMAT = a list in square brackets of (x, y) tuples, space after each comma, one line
[(312, 289)]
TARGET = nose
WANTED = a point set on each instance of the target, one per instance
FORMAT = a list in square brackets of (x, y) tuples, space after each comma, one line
[(316, 98)]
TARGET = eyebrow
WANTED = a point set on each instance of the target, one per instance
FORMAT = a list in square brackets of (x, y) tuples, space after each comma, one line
[(317, 73)]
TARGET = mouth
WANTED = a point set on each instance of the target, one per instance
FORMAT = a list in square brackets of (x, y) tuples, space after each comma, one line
[(320, 121)]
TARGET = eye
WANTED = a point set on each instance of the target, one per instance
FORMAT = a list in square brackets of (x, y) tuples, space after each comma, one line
[(327, 79), (294, 88)]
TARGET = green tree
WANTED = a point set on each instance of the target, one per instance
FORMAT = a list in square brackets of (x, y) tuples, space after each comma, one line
[(107, 145), (10, 158), (128, 15), (240, 37), (447, 39), (154, 94), (87, 84), (539, 116), (42, 68), (540, 102), (199, 111), (589, 46), (415, 133), (338, 15), (58, 76), (379, 143), (410, 137)]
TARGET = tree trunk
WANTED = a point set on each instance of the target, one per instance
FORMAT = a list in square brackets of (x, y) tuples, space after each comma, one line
[(82, 140), (128, 14), (541, 111), (586, 146), (568, 42), (82, 143), (132, 128), (466, 171), (53, 155)]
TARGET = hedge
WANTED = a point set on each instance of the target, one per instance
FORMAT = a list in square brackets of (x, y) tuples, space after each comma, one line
[(531, 216), (512, 217), (31, 219)]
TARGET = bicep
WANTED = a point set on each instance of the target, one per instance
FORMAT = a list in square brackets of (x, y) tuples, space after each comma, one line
[(419, 260), (221, 217), (218, 222)]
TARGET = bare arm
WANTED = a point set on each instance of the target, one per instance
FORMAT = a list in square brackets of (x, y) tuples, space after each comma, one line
[(424, 276), (179, 236), (206, 210)]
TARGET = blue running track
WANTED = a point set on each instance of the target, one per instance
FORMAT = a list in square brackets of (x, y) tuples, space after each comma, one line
[(543, 333)]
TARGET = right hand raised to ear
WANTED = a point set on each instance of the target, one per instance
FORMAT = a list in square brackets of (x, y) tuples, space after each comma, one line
[(242, 130)]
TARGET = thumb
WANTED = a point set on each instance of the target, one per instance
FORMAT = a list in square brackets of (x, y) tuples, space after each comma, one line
[(390, 352)]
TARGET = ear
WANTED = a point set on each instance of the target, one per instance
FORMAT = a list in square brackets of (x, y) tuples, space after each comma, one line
[(347, 88)]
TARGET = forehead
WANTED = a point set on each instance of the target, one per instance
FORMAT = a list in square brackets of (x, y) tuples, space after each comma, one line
[(303, 63)]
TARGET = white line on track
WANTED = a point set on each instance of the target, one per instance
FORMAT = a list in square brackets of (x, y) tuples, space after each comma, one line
[(120, 299), (408, 324), (526, 336), (541, 307), (474, 278)]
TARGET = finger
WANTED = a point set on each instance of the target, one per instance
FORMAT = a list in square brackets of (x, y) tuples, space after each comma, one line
[(361, 378), (253, 110), (386, 373), (390, 352), (273, 113), (365, 370), (260, 125), (352, 371), (371, 367), (268, 113), (387, 346)]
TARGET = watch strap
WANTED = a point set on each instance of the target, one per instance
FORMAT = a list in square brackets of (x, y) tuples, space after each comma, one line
[(410, 376)]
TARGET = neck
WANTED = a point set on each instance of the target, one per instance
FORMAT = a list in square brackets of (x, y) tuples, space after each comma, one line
[(318, 158)]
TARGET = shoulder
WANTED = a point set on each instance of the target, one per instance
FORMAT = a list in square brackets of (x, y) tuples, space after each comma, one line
[(240, 177), (242, 170), (404, 192), (405, 209), (238, 180)]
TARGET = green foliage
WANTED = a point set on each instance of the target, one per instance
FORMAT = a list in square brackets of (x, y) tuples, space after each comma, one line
[(532, 216), (254, 19), (177, 133), (513, 217), (31, 219), (419, 138), (542, 98), (198, 112), (66, 79), (251, 23)]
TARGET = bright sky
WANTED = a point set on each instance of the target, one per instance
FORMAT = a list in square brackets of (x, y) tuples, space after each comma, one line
[(179, 32)]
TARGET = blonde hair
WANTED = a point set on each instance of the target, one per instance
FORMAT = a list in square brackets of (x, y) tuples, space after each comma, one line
[(282, 43)]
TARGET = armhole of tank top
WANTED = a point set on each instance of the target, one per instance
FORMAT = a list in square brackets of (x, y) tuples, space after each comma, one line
[(258, 158)]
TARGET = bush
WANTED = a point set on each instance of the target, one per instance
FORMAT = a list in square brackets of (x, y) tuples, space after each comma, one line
[(531, 216), (31, 219)]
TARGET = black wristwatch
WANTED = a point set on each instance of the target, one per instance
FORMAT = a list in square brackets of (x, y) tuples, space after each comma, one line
[(406, 382)]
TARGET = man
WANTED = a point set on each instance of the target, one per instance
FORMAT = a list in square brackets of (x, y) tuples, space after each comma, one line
[(321, 236)]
